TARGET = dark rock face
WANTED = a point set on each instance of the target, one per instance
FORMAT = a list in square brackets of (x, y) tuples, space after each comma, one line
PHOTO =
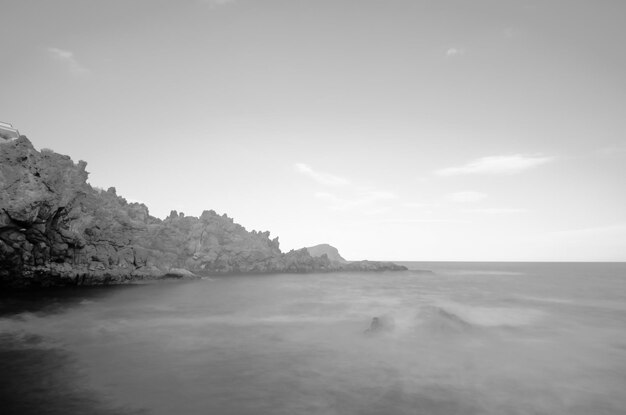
[(55, 229)]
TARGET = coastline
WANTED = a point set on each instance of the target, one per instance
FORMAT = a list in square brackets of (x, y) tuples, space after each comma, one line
[(58, 230)]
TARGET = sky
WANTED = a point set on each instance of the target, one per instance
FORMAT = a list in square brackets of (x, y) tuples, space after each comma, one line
[(483, 130)]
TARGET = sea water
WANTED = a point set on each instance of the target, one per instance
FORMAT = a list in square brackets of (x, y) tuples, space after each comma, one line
[(466, 338)]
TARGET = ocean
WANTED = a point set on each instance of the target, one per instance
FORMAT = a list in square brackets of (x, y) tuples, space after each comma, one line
[(450, 338)]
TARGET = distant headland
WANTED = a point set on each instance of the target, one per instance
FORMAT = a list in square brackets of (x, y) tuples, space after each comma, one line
[(57, 230)]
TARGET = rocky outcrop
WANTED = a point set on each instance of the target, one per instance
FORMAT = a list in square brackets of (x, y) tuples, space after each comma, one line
[(56, 229), (324, 249), (381, 324)]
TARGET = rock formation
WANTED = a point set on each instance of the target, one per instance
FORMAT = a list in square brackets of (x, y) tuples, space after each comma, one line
[(324, 249), (56, 229), (381, 324)]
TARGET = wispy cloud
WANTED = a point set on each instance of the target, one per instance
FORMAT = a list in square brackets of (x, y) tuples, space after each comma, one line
[(468, 196), (68, 59), (454, 52), (507, 164), (497, 211), (359, 200), (320, 177), (351, 197)]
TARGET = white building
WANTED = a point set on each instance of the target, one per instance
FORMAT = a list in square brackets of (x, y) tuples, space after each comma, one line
[(8, 133)]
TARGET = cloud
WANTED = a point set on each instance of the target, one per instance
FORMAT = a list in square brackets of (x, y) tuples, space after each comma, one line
[(358, 200), (453, 52), (509, 164), (351, 197), (321, 178), (68, 59), (466, 197), (497, 211)]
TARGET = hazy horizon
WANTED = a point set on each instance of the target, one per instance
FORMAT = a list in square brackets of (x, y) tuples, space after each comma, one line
[(396, 130)]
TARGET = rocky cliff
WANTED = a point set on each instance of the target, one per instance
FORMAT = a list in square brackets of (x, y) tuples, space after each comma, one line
[(55, 229)]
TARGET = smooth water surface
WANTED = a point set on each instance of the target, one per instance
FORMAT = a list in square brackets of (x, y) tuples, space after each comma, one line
[(468, 338)]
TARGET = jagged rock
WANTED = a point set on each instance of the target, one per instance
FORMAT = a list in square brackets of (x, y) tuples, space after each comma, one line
[(373, 266), (181, 273), (381, 324), (55, 229)]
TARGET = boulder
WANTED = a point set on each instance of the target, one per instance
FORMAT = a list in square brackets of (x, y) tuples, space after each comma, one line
[(381, 324)]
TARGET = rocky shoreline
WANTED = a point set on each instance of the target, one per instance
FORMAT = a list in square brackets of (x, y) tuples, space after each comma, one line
[(57, 230)]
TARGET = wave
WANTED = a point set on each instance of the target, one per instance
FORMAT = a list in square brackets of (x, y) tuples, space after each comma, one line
[(440, 320), (463, 317)]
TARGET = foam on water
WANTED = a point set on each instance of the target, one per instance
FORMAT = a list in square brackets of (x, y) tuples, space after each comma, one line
[(547, 341), (491, 316)]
